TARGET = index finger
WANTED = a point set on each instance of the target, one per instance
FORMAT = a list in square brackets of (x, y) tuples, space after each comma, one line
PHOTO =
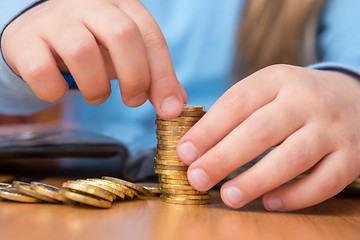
[(166, 93), (231, 109)]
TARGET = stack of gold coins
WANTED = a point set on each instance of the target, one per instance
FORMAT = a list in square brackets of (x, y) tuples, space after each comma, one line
[(174, 185)]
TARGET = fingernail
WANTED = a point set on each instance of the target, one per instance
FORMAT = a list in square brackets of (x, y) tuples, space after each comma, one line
[(187, 152), (138, 99), (199, 179), (232, 196), (170, 105), (273, 204)]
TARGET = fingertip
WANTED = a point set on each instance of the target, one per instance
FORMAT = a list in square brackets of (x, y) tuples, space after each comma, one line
[(272, 203), (170, 107), (232, 196), (187, 152)]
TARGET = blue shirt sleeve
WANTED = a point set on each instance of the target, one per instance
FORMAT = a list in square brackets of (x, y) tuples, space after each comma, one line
[(339, 37), (15, 95)]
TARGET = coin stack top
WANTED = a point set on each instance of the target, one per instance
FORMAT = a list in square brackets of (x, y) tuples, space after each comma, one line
[(172, 172)]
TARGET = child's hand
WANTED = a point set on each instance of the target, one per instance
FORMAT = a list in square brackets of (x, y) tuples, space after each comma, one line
[(70, 32), (313, 115)]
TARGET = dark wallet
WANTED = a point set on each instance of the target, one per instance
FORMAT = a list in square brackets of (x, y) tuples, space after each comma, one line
[(60, 143)]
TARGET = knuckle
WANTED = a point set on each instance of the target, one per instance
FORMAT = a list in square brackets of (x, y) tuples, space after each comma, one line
[(331, 182), (261, 130), (35, 70), (136, 85), (298, 154), (124, 30), (220, 163), (279, 70), (235, 101), (81, 49), (154, 40)]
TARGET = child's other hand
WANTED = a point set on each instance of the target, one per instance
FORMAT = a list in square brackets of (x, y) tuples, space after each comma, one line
[(71, 33), (314, 117)]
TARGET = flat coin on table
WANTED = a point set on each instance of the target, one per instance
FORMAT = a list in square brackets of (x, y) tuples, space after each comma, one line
[(153, 188), (184, 201), (25, 188), (140, 189), (14, 195), (188, 197), (89, 190), (47, 190), (85, 199)]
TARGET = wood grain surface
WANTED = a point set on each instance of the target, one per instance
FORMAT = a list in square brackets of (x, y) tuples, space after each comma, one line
[(337, 218)]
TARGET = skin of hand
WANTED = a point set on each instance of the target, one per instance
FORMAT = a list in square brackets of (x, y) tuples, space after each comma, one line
[(312, 116), (96, 41)]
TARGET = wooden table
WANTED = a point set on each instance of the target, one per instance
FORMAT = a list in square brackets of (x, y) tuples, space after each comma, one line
[(337, 218)]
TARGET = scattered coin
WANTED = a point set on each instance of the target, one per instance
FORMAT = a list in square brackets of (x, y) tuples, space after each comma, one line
[(14, 195), (25, 188), (85, 199)]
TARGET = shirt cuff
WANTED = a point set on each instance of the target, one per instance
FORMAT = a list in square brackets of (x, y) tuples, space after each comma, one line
[(340, 67)]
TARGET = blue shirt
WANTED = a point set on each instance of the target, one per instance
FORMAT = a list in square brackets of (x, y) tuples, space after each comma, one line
[(201, 37)]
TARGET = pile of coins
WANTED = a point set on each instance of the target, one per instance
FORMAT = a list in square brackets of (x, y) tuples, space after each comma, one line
[(93, 192), (172, 173)]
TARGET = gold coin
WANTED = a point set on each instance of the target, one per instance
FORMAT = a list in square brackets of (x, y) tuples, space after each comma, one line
[(14, 195), (182, 192), (114, 191), (184, 201), (166, 152), (167, 142), (181, 119), (189, 196), (169, 167), (174, 123), (193, 108), (176, 187), (85, 199), (170, 133), (170, 163), (25, 188), (174, 181), (171, 172), (47, 190), (5, 185), (166, 147), (192, 114), (172, 158), (172, 128), (178, 177), (127, 191), (140, 189), (168, 138), (89, 189), (153, 188)]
